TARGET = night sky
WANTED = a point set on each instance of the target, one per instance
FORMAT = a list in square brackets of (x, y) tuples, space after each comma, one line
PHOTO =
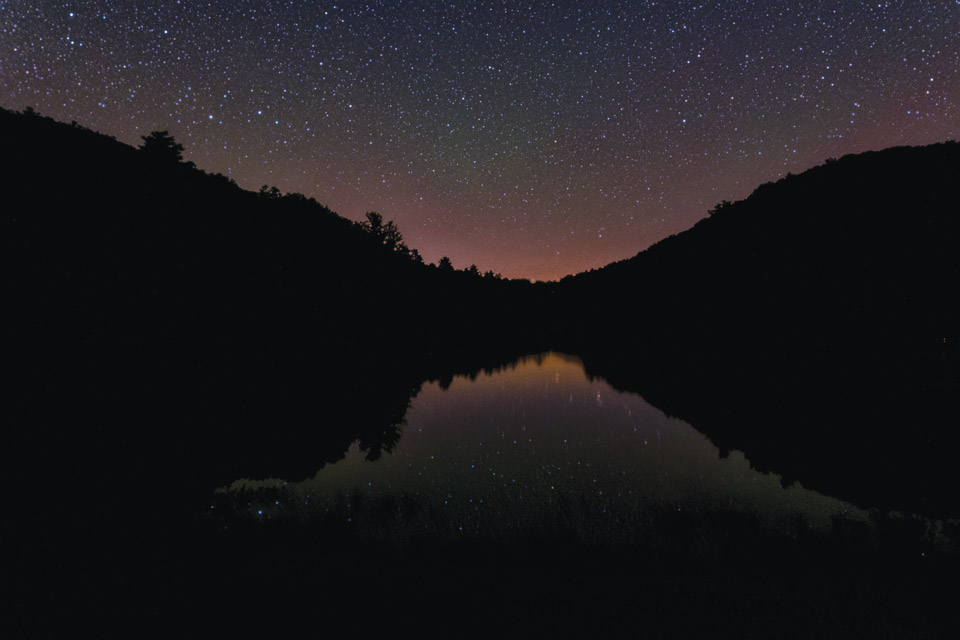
[(532, 139)]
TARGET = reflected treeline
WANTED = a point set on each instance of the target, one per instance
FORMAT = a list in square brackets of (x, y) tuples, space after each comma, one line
[(867, 440)]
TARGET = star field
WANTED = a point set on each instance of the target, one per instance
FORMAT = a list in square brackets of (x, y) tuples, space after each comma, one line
[(531, 139)]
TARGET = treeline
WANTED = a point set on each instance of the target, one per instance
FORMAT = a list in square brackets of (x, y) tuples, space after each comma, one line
[(85, 201), (857, 256)]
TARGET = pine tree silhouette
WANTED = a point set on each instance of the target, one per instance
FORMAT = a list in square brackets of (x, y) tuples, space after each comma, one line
[(162, 146)]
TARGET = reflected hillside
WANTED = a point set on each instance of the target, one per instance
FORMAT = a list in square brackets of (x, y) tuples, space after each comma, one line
[(862, 440), (537, 451)]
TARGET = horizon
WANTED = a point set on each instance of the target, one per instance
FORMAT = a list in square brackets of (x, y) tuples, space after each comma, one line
[(535, 143), (464, 268)]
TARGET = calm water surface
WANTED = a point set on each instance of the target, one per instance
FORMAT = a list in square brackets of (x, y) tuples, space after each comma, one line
[(538, 448)]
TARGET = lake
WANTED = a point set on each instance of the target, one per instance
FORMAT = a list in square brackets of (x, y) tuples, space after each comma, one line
[(524, 500), (538, 450)]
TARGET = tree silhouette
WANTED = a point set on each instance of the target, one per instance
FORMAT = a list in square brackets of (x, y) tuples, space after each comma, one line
[(724, 205), (387, 233), (270, 193), (374, 222), (445, 264), (162, 146)]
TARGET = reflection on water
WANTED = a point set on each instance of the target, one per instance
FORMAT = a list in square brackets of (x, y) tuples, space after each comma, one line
[(538, 448)]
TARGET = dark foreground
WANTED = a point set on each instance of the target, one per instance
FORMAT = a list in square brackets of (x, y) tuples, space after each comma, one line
[(126, 536), (195, 585)]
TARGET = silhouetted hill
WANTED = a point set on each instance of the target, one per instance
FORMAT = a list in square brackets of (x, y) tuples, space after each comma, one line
[(259, 333), (857, 250), (813, 325), (86, 204)]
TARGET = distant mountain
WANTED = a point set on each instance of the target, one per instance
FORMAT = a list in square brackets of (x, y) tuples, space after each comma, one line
[(859, 252), (139, 228), (814, 325)]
